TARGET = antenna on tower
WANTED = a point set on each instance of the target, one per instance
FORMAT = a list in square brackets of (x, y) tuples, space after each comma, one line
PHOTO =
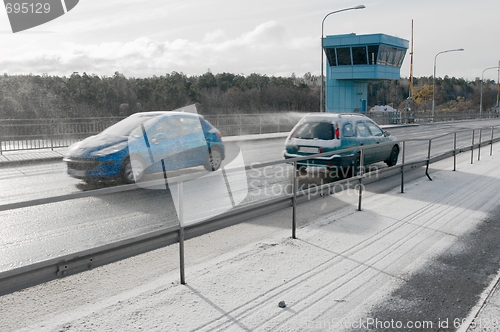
[(409, 113), (410, 92)]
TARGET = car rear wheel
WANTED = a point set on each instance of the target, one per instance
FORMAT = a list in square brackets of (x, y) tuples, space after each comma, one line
[(301, 168), (133, 169), (393, 158), (356, 165), (214, 160)]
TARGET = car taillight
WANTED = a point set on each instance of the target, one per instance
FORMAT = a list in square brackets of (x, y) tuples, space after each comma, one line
[(219, 135), (337, 131), (320, 150)]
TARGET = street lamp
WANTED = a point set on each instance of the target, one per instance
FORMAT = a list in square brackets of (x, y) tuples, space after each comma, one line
[(434, 77), (321, 106), (481, 98)]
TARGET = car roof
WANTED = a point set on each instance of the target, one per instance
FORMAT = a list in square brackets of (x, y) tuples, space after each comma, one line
[(334, 116), (150, 113)]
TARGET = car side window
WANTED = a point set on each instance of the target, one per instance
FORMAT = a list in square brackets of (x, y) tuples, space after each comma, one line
[(169, 126), (191, 126), (362, 129), (348, 130), (375, 130)]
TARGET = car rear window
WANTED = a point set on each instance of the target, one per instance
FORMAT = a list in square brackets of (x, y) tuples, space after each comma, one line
[(312, 130)]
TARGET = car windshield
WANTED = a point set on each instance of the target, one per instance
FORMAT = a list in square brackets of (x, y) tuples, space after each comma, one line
[(126, 126), (312, 130)]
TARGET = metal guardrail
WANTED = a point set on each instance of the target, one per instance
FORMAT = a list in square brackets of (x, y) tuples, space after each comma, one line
[(26, 276), (18, 135)]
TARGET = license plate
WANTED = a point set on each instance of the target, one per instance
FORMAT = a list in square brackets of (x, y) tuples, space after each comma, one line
[(77, 173), (308, 149)]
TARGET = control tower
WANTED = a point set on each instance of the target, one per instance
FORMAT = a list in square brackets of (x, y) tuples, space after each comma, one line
[(353, 61)]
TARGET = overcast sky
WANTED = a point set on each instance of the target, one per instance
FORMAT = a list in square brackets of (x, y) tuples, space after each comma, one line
[(272, 37)]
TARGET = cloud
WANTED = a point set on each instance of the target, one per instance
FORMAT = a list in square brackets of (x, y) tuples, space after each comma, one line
[(144, 56), (269, 34), (214, 36)]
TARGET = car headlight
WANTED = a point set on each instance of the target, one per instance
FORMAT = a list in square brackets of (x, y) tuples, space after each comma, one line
[(110, 149), (71, 149)]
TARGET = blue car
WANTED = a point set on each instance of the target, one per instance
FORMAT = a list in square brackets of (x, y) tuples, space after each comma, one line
[(145, 143)]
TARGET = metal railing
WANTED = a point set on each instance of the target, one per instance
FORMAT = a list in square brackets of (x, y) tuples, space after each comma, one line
[(386, 118), (18, 135), (26, 276)]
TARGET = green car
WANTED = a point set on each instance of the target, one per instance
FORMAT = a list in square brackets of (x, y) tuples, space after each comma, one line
[(329, 132)]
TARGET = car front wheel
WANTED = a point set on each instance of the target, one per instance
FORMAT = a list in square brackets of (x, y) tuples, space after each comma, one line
[(133, 169), (214, 160), (393, 158)]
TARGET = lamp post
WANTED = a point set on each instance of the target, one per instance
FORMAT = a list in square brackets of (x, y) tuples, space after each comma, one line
[(481, 95), (321, 106), (434, 77)]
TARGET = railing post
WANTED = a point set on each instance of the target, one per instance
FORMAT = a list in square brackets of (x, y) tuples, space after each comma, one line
[(239, 120), (428, 160), (479, 148), (360, 184), (491, 146), (472, 148), (294, 200), (454, 151), (181, 231), (403, 167)]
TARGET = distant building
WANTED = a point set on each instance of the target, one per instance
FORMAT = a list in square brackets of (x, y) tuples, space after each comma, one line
[(353, 61)]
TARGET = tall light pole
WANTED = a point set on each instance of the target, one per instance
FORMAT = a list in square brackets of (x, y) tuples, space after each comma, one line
[(481, 97), (498, 89), (321, 106), (434, 77)]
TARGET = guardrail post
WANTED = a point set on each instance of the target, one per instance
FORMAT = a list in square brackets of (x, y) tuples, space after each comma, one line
[(491, 145), (479, 149), (360, 184), (181, 232), (428, 160), (454, 151), (239, 120), (472, 148), (403, 167), (294, 201)]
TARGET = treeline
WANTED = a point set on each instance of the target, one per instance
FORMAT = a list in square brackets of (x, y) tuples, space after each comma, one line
[(34, 96)]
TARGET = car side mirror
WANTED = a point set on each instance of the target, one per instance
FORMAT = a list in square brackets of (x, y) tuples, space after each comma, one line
[(386, 133), (158, 138)]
